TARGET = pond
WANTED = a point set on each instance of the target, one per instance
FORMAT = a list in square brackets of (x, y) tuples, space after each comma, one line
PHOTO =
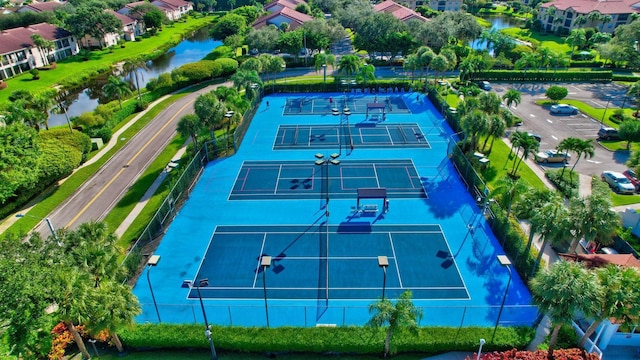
[(84, 99), (498, 22)]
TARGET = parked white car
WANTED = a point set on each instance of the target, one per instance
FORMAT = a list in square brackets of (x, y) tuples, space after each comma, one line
[(564, 109)]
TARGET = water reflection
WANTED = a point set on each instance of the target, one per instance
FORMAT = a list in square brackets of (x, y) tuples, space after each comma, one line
[(497, 23), (87, 98)]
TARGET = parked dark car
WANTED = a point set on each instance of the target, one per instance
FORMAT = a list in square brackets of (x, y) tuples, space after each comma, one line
[(607, 133), (631, 175)]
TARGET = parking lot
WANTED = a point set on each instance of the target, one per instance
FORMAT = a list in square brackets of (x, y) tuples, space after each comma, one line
[(554, 128)]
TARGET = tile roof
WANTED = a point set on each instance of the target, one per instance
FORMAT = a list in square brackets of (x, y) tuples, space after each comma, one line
[(135, 3), (126, 20), (19, 38), (398, 11), (297, 18), (44, 6), (604, 7), (291, 4), (599, 260), (172, 4)]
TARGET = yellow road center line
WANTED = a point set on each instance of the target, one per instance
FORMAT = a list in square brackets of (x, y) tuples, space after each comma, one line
[(104, 188)]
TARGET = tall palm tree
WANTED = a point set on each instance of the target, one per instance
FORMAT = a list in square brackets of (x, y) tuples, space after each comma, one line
[(538, 218), (210, 111), (511, 97), (593, 219), (246, 79), (583, 148), (117, 87), (274, 65), (439, 64), (366, 72), (474, 124), (526, 61), (553, 225), (92, 247), (576, 39), (425, 55), (349, 65), (529, 145), (509, 190), (412, 64), (620, 300), (190, 125), (44, 47), (497, 126), (563, 291), (41, 104), (132, 69), (567, 145), (74, 303), (402, 314)]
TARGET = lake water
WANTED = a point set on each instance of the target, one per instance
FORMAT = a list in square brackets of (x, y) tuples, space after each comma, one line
[(497, 23), (85, 99)]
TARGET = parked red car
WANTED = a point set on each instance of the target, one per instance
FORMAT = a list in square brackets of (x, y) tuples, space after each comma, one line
[(631, 175)]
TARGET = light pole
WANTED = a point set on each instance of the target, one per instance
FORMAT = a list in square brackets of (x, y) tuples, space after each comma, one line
[(482, 342), (504, 261), (228, 115), (51, 229), (383, 262), (346, 112), (93, 343), (153, 261), (284, 76), (207, 329), (605, 111), (265, 262), (322, 161)]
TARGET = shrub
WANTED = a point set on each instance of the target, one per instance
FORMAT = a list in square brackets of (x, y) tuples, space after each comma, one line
[(220, 52), (141, 105), (567, 183), (35, 73), (198, 71), (75, 139), (228, 66), (3, 85), (102, 132), (565, 354)]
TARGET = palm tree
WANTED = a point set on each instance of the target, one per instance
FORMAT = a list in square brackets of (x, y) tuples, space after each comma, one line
[(118, 309), (576, 39), (474, 124), (580, 21), (593, 219), (401, 314), (593, 18), (497, 127), (526, 60), (92, 247), (621, 299), (564, 290), (583, 148), (468, 66), (349, 65), (210, 111), (634, 90), (246, 79), (512, 96), (43, 44), (74, 302), (567, 145), (412, 64), (366, 72), (439, 64), (509, 190), (274, 65), (41, 104), (425, 57), (529, 145), (190, 125), (552, 224), (117, 87), (4, 71), (131, 68)]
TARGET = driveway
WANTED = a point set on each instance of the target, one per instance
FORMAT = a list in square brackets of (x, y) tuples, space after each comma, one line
[(555, 128)]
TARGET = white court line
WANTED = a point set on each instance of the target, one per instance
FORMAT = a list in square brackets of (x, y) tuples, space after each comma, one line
[(255, 276), (393, 250)]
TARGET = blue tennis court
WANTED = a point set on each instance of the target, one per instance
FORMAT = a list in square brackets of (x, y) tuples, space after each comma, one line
[(338, 262), (360, 135), (323, 212), (304, 180)]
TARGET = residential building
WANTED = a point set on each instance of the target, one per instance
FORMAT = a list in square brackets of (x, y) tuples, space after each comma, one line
[(561, 15), (130, 29), (278, 5), (284, 15), (439, 5), (398, 11), (173, 9), (41, 6), (19, 54)]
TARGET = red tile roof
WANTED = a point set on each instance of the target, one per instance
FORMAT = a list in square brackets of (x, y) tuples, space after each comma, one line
[(598, 260), (173, 4), (297, 18), (605, 7), (398, 11), (44, 6), (291, 4), (19, 38), (135, 3)]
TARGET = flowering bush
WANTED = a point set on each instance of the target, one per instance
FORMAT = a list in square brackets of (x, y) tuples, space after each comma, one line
[(561, 354)]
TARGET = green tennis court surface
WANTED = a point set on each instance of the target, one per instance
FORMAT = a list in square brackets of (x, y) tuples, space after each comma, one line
[(305, 180), (358, 104), (309, 263), (363, 135)]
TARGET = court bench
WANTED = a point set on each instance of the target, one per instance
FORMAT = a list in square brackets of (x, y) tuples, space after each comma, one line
[(370, 208)]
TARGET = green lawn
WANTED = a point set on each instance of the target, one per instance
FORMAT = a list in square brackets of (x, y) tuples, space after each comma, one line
[(204, 355), (553, 42), (619, 200), (73, 71), (501, 162)]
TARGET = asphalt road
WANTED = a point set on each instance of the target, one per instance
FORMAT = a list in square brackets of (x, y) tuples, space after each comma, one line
[(555, 128), (99, 194)]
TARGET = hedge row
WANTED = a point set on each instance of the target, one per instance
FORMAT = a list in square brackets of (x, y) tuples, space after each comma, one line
[(544, 75), (626, 78), (351, 339)]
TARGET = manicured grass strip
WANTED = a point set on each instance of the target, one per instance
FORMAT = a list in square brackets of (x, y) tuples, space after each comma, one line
[(619, 200), (74, 71), (497, 169), (59, 194), (552, 42)]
